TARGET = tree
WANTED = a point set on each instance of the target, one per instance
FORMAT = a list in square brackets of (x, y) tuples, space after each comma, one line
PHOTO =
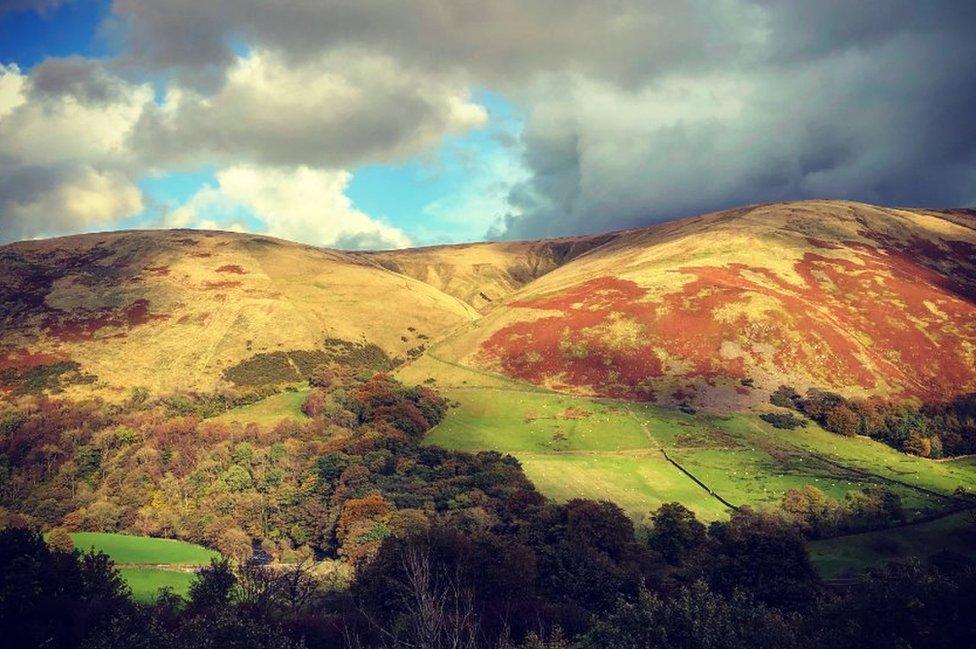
[(675, 532), (814, 511), (235, 543), (842, 420), (695, 618), (213, 586), (762, 554), (55, 599), (60, 540), (785, 397)]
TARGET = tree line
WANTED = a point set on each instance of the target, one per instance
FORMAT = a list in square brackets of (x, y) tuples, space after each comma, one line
[(931, 429)]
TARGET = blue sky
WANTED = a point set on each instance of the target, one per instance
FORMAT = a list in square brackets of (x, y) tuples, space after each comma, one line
[(28, 37), (453, 192), (374, 124)]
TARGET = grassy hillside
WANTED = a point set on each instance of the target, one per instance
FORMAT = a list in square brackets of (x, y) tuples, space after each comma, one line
[(719, 309), (484, 274), (269, 411), (953, 533), (178, 309), (148, 564), (641, 455)]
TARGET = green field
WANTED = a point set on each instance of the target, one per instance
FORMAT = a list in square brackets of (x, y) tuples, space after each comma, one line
[(596, 448), (145, 583), (269, 411), (148, 564), (572, 446), (955, 533)]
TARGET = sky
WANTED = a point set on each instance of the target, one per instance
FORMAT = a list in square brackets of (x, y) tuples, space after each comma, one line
[(366, 124)]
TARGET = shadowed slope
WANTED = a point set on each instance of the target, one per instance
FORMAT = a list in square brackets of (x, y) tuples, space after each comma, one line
[(482, 274)]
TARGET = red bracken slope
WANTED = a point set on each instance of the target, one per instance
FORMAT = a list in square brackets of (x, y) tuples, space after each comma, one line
[(718, 310)]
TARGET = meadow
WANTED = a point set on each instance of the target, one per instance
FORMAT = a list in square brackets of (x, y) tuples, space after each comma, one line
[(954, 533), (269, 411), (148, 564), (641, 455)]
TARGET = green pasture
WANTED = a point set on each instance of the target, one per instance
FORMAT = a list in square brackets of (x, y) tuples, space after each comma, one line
[(269, 411), (572, 446), (145, 583), (837, 556), (148, 564)]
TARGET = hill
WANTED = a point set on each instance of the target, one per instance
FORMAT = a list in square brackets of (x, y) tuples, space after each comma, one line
[(192, 309), (714, 310), (482, 274), (718, 310)]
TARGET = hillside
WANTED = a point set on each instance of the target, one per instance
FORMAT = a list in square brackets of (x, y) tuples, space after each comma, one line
[(176, 309), (482, 274), (714, 310), (717, 310)]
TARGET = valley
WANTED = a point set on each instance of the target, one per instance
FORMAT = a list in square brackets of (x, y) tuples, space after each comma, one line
[(170, 397)]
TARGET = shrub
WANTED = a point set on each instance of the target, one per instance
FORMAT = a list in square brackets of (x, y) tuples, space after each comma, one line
[(785, 397), (59, 540), (783, 420)]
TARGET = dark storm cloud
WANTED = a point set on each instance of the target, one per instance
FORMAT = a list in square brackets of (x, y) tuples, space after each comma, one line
[(870, 103), (642, 111), (500, 41), (83, 79)]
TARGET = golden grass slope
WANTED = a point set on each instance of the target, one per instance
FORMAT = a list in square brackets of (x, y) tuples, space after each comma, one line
[(483, 274), (172, 309), (719, 309)]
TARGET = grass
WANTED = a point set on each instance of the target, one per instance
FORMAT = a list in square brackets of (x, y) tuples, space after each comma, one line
[(837, 556), (145, 583), (123, 548), (573, 446), (269, 411), (148, 564)]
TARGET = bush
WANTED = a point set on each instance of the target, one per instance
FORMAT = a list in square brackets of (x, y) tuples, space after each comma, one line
[(783, 420), (785, 397), (59, 540)]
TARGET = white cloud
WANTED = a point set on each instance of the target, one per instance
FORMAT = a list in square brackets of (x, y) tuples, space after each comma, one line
[(341, 108), (299, 204), (84, 199), (11, 89), (64, 162), (281, 131)]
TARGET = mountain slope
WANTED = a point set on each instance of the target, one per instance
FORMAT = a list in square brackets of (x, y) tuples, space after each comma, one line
[(482, 274), (720, 309), (715, 310), (175, 309)]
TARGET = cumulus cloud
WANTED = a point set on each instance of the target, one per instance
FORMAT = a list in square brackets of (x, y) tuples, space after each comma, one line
[(72, 199), (642, 111), (72, 124), (64, 164), (338, 109), (636, 111), (501, 41), (299, 204)]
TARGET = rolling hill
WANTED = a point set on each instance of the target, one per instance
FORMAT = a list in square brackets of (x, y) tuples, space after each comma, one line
[(483, 274), (179, 309), (714, 310), (717, 310)]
